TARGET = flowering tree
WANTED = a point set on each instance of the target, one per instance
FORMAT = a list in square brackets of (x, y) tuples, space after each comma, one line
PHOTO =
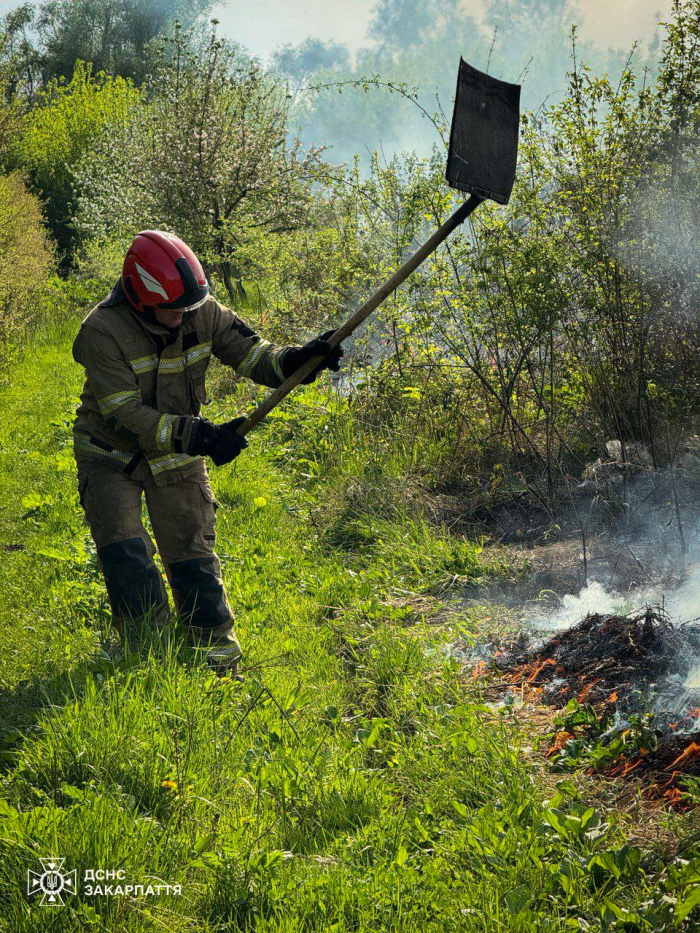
[(58, 131), (206, 154)]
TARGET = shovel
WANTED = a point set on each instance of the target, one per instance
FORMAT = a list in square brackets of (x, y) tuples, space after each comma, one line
[(481, 161)]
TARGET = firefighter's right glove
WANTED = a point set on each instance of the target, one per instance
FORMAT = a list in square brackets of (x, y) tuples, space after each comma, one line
[(221, 442)]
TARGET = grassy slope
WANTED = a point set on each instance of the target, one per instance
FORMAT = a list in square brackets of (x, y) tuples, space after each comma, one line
[(351, 783)]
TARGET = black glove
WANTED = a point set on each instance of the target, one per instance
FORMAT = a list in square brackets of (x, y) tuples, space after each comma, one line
[(221, 442), (294, 357)]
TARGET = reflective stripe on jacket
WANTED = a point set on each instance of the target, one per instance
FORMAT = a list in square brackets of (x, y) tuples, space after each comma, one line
[(140, 397)]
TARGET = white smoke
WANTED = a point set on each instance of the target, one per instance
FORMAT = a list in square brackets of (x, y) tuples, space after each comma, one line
[(682, 603), (592, 598)]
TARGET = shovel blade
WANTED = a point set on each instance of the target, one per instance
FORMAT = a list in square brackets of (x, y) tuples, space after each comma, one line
[(484, 137)]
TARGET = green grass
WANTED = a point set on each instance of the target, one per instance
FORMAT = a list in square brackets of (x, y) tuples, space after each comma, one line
[(353, 782)]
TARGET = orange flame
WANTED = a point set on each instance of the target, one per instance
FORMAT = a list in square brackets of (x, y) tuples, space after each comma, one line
[(624, 766), (547, 663), (688, 754), (560, 740), (587, 689), (630, 766), (674, 796)]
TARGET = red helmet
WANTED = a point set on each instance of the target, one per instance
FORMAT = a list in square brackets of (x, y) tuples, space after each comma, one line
[(160, 271)]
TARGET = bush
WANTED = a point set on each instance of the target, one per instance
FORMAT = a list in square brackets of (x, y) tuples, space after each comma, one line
[(26, 259), (59, 131)]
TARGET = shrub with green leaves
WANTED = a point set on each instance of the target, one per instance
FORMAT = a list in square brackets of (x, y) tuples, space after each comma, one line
[(59, 130), (26, 261)]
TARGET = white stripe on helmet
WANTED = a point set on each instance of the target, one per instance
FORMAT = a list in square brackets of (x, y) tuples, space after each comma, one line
[(153, 285)]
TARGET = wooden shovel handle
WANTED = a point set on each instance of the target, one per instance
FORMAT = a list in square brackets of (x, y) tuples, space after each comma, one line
[(363, 312)]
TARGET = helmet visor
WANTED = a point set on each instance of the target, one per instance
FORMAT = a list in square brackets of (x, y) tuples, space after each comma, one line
[(188, 308)]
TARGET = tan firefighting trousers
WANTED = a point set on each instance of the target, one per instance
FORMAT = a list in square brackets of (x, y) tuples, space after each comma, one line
[(183, 518)]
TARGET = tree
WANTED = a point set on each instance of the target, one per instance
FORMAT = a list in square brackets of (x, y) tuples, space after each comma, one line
[(398, 25), (115, 36), (18, 52), (59, 130), (418, 43), (299, 61), (207, 154)]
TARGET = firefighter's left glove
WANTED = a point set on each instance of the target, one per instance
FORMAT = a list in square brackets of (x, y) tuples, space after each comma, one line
[(294, 357), (221, 442)]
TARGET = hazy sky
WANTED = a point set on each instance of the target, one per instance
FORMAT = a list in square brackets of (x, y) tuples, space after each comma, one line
[(263, 25)]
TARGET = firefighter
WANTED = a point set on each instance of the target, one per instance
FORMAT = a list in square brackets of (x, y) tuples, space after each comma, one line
[(139, 432)]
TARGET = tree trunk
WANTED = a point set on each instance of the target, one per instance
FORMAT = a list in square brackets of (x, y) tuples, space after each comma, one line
[(232, 282)]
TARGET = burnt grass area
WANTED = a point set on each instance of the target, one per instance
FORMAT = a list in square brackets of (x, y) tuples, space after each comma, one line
[(605, 658), (619, 682)]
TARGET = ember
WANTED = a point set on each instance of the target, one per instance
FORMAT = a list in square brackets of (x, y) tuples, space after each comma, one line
[(621, 667), (688, 754), (605, 658)]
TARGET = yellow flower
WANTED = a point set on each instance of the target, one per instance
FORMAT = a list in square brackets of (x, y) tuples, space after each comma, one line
[(169, 785)]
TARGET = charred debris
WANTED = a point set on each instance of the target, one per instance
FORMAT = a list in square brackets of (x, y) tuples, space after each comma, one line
[(626, 694)]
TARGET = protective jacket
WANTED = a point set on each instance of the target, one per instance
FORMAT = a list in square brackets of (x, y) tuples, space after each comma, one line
[(144, 385)]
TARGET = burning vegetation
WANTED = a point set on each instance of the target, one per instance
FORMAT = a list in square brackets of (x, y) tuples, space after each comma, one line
[(628, 706)]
